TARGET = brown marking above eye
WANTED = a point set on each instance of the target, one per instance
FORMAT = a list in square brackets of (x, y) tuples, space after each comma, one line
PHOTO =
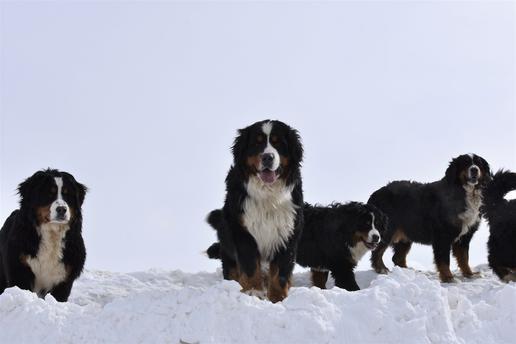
[(259, 138), (274, 139)]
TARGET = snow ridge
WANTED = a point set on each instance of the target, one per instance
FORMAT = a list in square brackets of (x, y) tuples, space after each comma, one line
[(405, 306)]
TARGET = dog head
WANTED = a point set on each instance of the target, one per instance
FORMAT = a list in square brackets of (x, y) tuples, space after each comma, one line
[(469, 171), (52, 196), (369, 224), (270, 150)]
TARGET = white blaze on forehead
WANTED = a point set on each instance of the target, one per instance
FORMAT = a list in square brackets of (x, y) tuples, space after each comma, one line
[(267, 129), (59, 202), (59, 183)]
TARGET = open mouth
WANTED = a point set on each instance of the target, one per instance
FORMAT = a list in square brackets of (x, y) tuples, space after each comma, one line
[(267, 176), (370, 245)]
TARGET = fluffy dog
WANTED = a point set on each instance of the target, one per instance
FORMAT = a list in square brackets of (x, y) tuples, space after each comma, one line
[(336, 237), (41, 246), (501, 215), (444, 214), (262, 213)]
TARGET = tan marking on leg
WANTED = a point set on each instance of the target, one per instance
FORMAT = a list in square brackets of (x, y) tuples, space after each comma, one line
[(462, 257), (254, 282), (377, 259), (444, 273), (511, 277), (319, 278), (233, 274), (401, 250), (275, 291)]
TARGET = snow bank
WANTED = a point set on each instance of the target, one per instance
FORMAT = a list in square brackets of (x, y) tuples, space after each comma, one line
[(175, 307)]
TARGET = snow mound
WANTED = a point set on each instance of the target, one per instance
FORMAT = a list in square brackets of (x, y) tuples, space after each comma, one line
[(405, 306)]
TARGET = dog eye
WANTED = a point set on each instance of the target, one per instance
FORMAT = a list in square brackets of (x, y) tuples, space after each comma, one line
[(53, 190), (259, 138), (65, 190), (274, 139)]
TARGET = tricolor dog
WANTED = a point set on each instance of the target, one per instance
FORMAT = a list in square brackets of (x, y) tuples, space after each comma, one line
[(262, 218), (41, 246)]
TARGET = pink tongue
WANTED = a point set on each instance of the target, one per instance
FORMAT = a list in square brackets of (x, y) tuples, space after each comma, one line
[(268, 176)]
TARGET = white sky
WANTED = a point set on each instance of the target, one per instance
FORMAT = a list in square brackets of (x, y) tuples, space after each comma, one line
[(141, 102)]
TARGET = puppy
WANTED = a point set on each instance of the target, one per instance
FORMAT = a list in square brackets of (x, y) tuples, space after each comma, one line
[(501, 215), (263, 208), (41, 246), (335, 238), (444, 214)]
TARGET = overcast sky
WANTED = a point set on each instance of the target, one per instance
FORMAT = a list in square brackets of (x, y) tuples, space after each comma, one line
[(141, 103)]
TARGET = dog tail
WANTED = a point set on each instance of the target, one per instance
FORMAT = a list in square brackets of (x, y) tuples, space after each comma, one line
[(216, 219), (502, 183), (213, 251)]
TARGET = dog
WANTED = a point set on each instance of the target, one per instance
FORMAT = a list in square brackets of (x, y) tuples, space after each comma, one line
[(262, 212), (501, 216), (444, 214), (335, 238), (41, 245)]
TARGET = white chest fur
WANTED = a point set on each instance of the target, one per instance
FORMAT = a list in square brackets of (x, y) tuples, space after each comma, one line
[(358, 251), (269, 215), (47, 266), (471, 215)]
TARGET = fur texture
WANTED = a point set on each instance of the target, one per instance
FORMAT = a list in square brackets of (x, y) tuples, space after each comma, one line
[(444, 214), (41, 246), (501, 215), (336, 237), (261, 221)]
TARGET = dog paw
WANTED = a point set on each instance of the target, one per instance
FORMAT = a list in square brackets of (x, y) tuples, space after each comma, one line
[(472, 274), (510, 277), (255, 292), (448, 279), (382, 271)]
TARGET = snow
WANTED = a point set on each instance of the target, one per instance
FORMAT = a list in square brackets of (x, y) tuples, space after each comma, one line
[(406, 306)]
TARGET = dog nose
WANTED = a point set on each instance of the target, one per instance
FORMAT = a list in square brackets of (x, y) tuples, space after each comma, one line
[(375, 238), (474, 171), (61, 211), (267, 159)]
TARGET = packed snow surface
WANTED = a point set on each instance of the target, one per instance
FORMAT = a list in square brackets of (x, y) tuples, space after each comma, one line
[(406, 306)]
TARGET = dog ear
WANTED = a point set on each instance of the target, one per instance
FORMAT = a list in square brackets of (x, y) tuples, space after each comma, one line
[(25, 188), (81, 192), (451, 174), (240, 145), (81, 188), (486, 169), (295, 146)]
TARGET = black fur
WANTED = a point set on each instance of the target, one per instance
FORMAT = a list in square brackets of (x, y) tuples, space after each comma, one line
[(19, 235), (238, 248), (329, 234), (430, 214), (501, 215)]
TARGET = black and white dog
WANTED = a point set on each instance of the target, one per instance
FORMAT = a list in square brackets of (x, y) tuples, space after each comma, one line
[(41, 246), (501, 215), (336, 237), (444, 214), (262, 218)]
